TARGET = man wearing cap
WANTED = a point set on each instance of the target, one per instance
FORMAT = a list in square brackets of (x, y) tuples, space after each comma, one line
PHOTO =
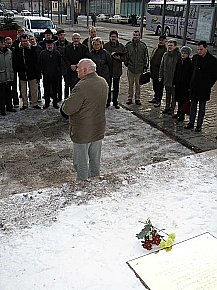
[(86, 109), (155, 62), (26, 64), (50, 63), (47, 36), (203, 78), (60, 45), (6, 78), (73, 53)]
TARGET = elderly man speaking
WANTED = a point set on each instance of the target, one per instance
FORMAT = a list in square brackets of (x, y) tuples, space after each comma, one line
[(86, 108)]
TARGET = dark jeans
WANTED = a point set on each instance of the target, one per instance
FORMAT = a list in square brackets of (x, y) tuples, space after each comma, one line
[(201, 112), (158, 89), (50, 90), (170, 98), (5, 97), (116, 82), (59, 90)]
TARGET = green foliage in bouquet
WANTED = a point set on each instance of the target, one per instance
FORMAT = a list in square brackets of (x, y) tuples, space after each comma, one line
[(154, 237)]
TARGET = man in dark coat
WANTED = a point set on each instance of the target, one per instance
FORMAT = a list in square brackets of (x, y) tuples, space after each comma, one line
[(203, 78), (88, 41), (74, 52), (26, 64), (50, 63), (155, 61), (47, 36), (118, 54), (60, 45)]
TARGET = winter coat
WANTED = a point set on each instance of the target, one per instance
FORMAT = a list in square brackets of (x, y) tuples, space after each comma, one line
[(71, 57), (6, 68), (26, 63), (137, 58), (182, 79), (204, 76), (103, 63), (50, 64), (168, 66), (116, 63), (60, 46), (86, 108), (155, 61)]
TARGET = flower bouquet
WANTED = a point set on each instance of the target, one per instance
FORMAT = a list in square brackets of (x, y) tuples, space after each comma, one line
[(152, 237)]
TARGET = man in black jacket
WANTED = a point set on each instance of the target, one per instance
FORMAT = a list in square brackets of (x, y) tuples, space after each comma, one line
[(60, 45), (203, 78), (26, 64), (74, 52), (50, 63)]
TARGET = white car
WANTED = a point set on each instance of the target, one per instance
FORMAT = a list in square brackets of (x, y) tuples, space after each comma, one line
[(101, 17), (25, 13), (118, 19), (37, 25)]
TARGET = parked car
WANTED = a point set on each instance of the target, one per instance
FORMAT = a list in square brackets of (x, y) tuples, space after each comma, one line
[(118, 19), (8, 13), (37, 25), (102, 17), (139, 21), (25, 13), (14, 11)]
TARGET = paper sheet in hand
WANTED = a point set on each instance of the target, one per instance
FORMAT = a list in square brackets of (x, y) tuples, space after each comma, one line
[(190, 265)]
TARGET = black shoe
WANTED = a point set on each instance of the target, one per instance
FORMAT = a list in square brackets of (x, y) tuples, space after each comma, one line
[(107, 105), (181, 118), (129, 102), (37, 107), (153, 101), (56, 106), (23, 108), (197, 129), (12, 110), (189, 126), (117, 106), (175, 116), (156, 105), (59, 100), (3, 113), (16, 106), (46, 106), (166, 111), (138, 103)]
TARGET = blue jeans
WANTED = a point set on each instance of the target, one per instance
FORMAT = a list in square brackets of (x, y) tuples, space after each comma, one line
[(86, 159)]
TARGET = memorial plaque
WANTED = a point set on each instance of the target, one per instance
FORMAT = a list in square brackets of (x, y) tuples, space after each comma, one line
[(190, 265)]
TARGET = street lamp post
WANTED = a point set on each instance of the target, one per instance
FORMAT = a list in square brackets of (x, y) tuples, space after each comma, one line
[(186, 22), (72, 13), (88, 11)]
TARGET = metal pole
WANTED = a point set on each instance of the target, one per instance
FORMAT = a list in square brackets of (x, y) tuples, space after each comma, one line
[(163, 17), (142, 16), (88, 11), (61, 11), (58, 6), (39, 7), (186, 22), (42, 7), (72, 12)]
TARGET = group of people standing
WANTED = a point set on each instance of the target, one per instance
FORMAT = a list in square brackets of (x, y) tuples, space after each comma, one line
[(186, 81)]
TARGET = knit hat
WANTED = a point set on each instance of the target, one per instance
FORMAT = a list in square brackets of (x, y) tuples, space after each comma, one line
[(186, 49)]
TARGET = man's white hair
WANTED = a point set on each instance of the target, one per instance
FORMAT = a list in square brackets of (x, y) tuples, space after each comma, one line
[(76, 34), (88, 63)]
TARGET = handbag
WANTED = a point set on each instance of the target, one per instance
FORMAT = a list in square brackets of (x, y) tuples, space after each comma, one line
[(186, 107), (144, 78)]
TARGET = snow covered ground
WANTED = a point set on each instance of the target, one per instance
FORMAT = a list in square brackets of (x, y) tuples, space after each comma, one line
[(89, 244)]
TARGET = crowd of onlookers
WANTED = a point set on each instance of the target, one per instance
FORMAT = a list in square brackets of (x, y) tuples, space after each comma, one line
[(28, 61)]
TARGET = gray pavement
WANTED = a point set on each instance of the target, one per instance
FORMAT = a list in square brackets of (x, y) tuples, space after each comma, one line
[(198, 142)]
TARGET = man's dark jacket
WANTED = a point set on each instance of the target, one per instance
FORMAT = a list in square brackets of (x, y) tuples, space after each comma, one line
[(204, 76), (25, 62)]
